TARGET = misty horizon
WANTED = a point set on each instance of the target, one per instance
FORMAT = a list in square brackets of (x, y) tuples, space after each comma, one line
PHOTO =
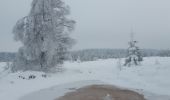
[(100, 24)]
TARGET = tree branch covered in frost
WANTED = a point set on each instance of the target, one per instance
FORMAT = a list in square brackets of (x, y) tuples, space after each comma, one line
[(44, 34)]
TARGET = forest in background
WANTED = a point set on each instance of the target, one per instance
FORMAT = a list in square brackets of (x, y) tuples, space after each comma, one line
[(94, 54)]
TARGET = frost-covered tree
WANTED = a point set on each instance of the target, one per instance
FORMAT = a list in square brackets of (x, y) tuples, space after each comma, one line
[(134, 56), (44, 34)]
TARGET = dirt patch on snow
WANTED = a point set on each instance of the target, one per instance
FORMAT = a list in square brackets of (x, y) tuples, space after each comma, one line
[(102, 92)]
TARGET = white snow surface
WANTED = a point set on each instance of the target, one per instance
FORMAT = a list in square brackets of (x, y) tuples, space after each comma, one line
[(151, 78)]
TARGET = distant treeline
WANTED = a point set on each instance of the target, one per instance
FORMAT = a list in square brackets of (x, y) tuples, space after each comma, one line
[(94, 54), (7, 57)]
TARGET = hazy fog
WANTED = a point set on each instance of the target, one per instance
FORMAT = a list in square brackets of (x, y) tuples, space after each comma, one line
[(100, 23)]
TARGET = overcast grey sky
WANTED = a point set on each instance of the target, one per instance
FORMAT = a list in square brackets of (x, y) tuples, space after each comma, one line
[(100, 23)]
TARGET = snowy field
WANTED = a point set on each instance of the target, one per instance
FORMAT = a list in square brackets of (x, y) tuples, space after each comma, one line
[(151, 79)]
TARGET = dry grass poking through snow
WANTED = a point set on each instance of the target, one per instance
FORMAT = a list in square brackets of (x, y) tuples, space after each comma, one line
[(102, 92)]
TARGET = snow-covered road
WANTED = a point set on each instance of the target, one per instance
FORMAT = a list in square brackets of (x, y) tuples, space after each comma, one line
[(57, 91)]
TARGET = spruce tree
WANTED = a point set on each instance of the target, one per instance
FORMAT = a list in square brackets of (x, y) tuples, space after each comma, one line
[(134, 56), (44, 34)]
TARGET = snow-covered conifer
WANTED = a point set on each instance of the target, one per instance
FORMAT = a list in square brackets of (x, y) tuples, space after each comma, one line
[(134, 56)]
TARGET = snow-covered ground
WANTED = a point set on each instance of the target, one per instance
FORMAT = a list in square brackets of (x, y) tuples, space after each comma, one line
[(151, 79)]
